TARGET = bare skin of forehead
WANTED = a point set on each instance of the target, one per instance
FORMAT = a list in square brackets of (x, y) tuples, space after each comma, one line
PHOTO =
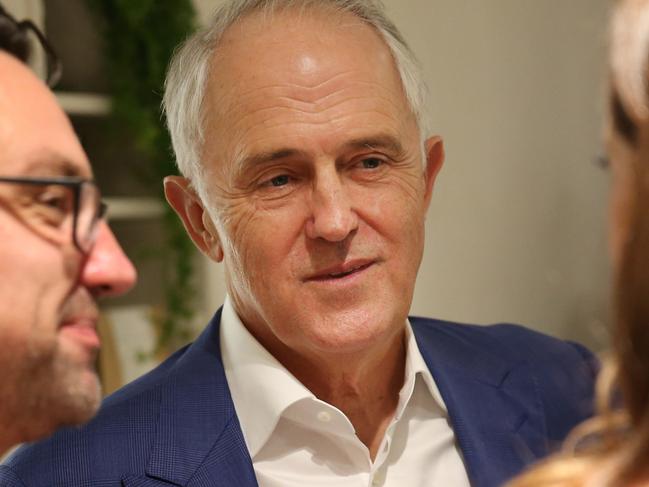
[(309, 54), (35, 134), (22, 93)]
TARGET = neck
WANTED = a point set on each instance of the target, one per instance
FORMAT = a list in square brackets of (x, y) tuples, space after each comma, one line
[(365, 388), (16, 428)]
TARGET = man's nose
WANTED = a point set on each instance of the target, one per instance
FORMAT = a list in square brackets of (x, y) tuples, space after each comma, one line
[(107, 271), (333, 217)]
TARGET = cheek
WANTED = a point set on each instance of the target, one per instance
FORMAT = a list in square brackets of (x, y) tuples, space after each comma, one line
[(407, 218), (263, 241), (621, 201), (396, 210), (27, 343), (622, 157), (620, 198), (33, 292)]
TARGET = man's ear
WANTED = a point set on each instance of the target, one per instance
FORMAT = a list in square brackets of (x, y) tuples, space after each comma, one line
[(434, 149), (189, 208)]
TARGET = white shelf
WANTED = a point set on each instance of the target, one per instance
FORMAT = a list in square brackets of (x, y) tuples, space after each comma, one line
[(133, 208), (92, 104)]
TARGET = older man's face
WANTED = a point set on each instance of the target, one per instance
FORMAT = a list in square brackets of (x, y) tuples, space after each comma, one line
[(314, 167), (48, 314)]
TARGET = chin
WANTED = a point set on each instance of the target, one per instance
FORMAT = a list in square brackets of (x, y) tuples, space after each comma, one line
[(75, 394), (356, 331), (47, 388), (84, 397)]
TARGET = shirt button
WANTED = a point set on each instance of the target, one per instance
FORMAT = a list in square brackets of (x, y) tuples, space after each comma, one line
[(324, 416)]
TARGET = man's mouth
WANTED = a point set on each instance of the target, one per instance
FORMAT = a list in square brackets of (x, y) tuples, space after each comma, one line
[(82, 330), (341, 271)]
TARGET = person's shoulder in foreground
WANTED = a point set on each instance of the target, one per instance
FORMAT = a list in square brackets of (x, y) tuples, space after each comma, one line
[(508, 390)]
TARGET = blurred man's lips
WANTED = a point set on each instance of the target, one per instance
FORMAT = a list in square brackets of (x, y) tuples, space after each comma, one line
[(341, 271), (82, 330)]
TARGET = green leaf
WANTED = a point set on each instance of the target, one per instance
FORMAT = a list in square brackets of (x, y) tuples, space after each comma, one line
[(139, 38)]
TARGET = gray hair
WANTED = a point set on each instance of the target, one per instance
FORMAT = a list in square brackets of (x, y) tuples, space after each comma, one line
[(190, 65)]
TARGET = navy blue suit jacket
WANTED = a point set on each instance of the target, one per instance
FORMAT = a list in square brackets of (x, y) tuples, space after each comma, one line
[(512, 395)]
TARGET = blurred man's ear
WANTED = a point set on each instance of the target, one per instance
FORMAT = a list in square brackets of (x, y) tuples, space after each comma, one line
[(434, 150), (197, 221)]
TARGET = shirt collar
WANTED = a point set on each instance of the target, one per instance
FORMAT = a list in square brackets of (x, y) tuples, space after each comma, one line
[(416, 367), (263, 389)]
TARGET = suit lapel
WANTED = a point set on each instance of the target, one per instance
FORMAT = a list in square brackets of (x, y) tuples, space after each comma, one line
[(199, 441), (494, 406)]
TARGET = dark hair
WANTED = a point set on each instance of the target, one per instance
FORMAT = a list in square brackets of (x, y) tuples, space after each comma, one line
[(13, 39)]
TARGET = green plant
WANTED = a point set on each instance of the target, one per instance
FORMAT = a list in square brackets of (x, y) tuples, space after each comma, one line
[(139, 39)]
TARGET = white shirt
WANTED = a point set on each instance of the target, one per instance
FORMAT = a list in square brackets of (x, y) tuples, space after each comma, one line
[(297, 440)]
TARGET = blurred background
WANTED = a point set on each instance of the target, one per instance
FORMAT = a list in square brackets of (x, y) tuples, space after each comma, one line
[(516, 230)]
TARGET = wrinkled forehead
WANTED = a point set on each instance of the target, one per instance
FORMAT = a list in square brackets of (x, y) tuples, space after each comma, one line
[(308, 49), (314, 58), (36, 137)]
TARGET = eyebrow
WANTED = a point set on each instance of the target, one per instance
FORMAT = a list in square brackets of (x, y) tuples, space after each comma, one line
[(386, 142), (53, 164), (266, 157), (382, 141)]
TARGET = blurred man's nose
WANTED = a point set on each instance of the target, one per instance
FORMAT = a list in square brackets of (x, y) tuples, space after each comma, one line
[(107, 270), (333, 217)]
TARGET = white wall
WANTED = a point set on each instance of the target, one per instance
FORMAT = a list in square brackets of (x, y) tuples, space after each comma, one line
[(516, 229), (25, 9)]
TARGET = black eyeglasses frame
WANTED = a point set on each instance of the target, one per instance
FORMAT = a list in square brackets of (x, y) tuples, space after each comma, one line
[(75, 183)]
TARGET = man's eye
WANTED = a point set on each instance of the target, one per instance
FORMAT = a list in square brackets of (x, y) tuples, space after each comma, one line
[(371, 163), (282, 180), (55, 201), (54, 205)]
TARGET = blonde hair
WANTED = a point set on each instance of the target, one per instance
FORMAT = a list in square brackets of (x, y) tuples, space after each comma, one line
[(612, 448)]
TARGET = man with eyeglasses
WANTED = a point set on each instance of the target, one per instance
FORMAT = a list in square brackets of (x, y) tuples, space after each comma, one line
[(57, 256)]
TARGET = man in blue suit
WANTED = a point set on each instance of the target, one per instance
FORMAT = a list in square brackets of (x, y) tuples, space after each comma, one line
[(297, 127)]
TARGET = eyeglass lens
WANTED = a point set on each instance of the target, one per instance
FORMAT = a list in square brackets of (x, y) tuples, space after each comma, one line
[(89, 213), (64, 212)]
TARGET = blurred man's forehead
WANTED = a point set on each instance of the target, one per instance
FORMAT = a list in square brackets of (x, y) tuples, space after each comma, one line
[(13, 73), (36, 137), (49, 163)]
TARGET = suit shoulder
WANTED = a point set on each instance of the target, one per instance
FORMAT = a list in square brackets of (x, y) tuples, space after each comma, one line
[(511, 341), (144, 385), (562, 373)]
